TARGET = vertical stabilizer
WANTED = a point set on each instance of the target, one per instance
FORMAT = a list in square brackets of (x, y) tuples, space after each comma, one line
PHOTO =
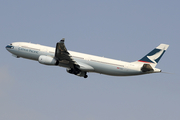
[(155, 55)]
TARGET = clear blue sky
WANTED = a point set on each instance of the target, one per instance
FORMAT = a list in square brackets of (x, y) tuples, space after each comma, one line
[(124, 30)]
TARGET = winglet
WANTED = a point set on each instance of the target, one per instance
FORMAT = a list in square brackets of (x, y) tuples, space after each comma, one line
[(62, 40)]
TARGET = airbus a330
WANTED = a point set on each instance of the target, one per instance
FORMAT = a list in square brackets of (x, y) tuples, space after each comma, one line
[(80, 64)]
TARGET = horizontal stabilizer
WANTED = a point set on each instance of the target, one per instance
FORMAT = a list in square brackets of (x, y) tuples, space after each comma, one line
[(146, 68)]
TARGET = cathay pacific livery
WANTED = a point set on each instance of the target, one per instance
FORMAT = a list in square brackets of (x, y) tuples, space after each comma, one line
[(80, 64)]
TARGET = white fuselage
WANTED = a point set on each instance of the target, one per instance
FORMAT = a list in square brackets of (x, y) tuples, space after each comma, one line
[(98, 64)]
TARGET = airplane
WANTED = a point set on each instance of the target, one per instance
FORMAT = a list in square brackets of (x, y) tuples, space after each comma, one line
[(80, 64)]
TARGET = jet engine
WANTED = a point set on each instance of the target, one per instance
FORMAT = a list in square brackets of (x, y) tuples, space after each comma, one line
[(47, 60)]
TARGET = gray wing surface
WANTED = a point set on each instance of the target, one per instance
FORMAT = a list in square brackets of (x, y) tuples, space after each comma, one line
[(63, 55)]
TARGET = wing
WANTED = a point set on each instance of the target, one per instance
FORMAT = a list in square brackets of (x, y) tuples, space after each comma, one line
[(63, 55)]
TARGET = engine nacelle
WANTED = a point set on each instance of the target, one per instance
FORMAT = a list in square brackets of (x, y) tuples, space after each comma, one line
[(47, 60)]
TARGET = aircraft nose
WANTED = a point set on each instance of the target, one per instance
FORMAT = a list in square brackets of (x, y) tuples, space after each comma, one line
[(6, 46), (9, 47)]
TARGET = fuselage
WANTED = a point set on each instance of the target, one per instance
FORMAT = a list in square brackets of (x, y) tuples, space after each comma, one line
[(100, 65)]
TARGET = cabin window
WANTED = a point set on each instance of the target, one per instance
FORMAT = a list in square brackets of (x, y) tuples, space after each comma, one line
[(31, 48)]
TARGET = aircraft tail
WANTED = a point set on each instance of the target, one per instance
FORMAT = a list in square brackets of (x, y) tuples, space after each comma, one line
[(155, 55)]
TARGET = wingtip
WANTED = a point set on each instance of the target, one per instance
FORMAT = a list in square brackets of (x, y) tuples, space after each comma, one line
[(62, 40)]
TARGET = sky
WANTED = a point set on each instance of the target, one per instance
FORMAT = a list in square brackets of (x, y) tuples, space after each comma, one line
[(119, 29)]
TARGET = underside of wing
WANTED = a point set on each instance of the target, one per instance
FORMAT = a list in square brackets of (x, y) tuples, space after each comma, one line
[(63, 55)]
